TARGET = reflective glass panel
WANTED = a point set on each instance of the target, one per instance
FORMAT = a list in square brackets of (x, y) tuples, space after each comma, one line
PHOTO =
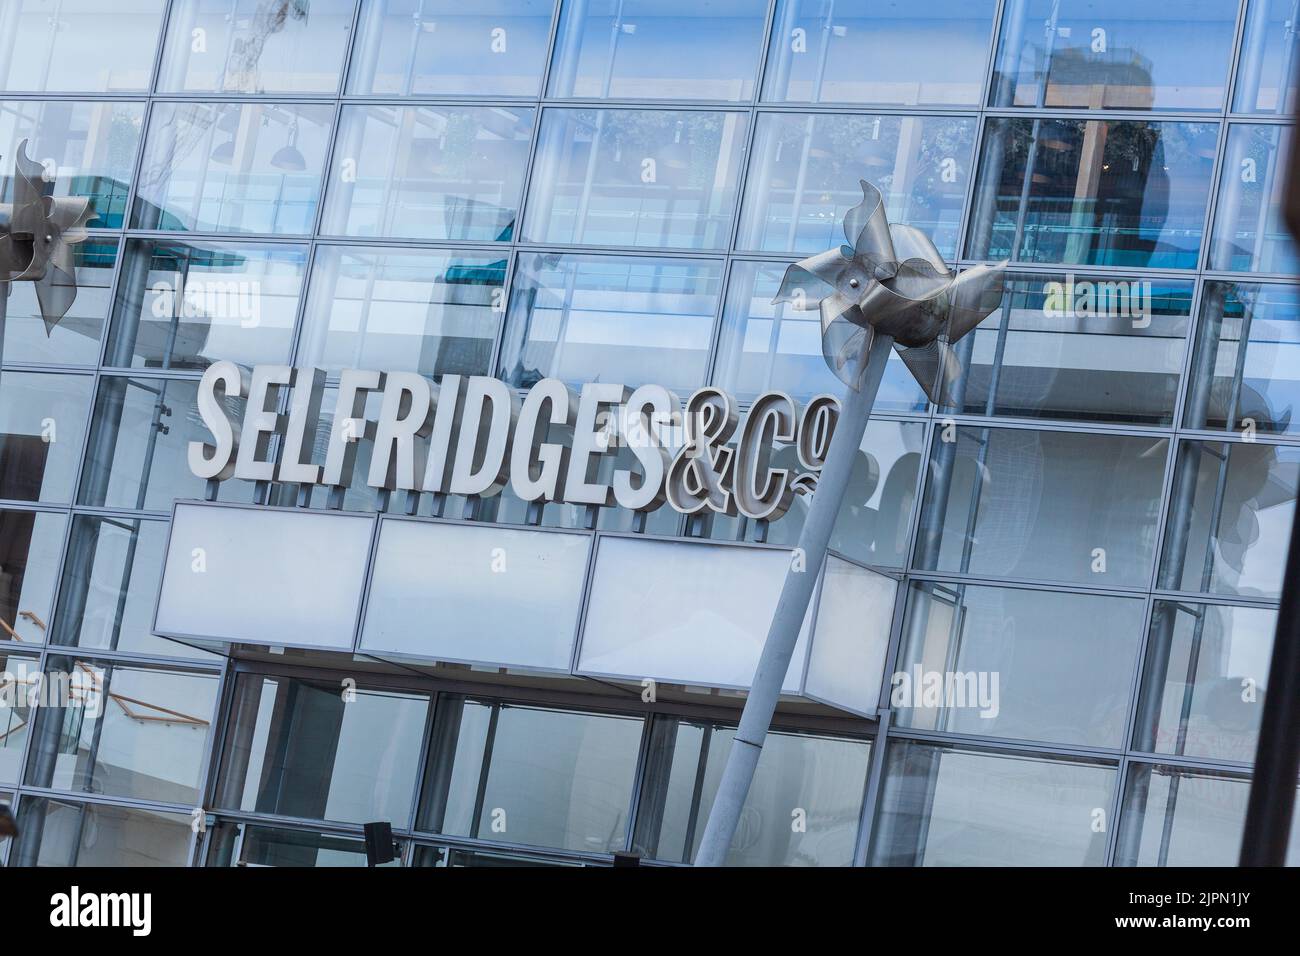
[(64, 833), (122, 731), (86, 149), (19, 696), (402, 310), (653, 178), (139, 435), (309, 749), (250, 46), (1246, 370), (1205, 679), (1249, 234), (523, 775), (806, 170), (280, 846), (42, 425), (1015, 663), (429, 172), (1117, 54), (652, 49), (30, 545), (943, 806), (1093, 192), (1266, 71), (227, 167), (78, 45), (767, 347), (1043, 505), (823, 777), (925, 53), (1230, 517), (1088, 347), (74, 339), (610, 319), (110, 582), (1176, 817), (448, 48), (187, 304)]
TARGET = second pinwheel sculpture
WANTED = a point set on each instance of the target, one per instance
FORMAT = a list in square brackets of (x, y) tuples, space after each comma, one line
[(886, 289)]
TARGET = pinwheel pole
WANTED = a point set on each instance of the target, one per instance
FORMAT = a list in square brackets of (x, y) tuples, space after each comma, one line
[(889, 290)]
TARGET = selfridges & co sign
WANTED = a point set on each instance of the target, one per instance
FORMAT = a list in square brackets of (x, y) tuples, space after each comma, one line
[(473, 435)]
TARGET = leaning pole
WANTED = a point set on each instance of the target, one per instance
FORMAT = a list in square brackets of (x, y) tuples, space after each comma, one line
[(889, 290)]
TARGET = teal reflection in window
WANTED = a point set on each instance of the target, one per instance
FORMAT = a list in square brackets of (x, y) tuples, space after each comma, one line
[(611, 319), (1114, 54), (1266, 70), (1088, 347), (806, 169), (1246, 370), (230, 167), (24, 336), (923, 53), (428, 172), (1249, 234), (451, 48), (646, 49), (78, 46), (1093, 192), (653, 178)]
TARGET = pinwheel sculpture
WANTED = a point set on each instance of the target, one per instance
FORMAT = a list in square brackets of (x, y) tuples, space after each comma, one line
[(886, 289), (37, 233)]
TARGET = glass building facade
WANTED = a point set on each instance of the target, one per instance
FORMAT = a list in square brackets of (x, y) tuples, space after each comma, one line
[(597, 190)]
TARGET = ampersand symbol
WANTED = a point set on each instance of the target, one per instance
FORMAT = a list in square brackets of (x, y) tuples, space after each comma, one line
[(700, 474)]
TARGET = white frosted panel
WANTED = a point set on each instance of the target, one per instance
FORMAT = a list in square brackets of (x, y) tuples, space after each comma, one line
[(267, 577), (683, 613), (852, 637), (479, 594)]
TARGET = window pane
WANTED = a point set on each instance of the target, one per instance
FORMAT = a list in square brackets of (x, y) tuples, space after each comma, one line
[(1249, 234), (276, 846), (1043, 505), (42, 425), (612, 319), (947, 807), (19, 690), (88, 148), (1266, 74), (307, 749), (1247, 363), (807, 168), (553, 778), (925, 53), (636, 177), (62, 833), (124, 731), (646, 49), (24, 336), (110, 581), (226, 167), (1020, 664), (767, 347), (1230, 517), (1181, 818), (402, 310), (1205, 679), (1091, 348), (78, 45), (184, 305), (448, 48), (1093, 192), (31, 543), (875, 517), (1098, 54), (250, 46), (139, 436), (428, 172), (821, 776)]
